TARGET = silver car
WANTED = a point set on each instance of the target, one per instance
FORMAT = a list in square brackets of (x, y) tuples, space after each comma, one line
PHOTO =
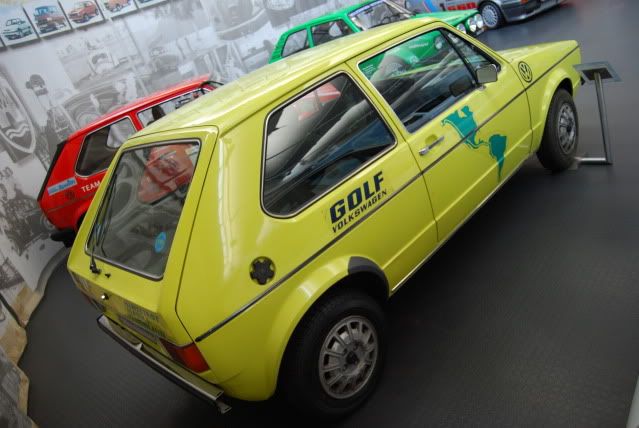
[(499, 12), (16, 28)]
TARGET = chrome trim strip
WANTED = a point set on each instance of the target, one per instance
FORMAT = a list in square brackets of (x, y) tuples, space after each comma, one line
[(347, 177), (373, 210), (173, 372)]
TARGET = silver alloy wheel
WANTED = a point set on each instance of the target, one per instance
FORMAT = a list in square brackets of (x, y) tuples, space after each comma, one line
[(567, 127), (490, 15), (348, 357)]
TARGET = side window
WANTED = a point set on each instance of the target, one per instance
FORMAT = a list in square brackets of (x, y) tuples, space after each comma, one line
[(330, 31), (475, 57), (316, 141), (419, 78), (158, 111), (100, 146), (295, 43)]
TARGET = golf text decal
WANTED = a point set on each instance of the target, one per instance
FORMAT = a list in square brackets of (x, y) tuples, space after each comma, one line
[(58, 187), (357, 202)]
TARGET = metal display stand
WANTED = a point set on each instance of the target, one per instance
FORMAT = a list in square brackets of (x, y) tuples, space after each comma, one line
[(596, 73)]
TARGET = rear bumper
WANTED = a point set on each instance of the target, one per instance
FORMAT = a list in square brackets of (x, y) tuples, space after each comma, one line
[(517, 12), (163, 365)]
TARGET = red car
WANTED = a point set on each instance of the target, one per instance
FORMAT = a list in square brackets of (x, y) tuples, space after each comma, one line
[(81, 161)]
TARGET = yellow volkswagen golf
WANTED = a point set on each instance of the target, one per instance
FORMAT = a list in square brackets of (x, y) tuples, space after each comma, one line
[(246, 243)]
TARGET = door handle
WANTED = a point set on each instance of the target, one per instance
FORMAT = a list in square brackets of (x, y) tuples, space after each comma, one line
[(427, 149)]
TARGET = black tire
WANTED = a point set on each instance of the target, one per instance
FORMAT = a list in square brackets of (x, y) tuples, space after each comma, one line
[(561, 134), (494, 14), (300, 382)]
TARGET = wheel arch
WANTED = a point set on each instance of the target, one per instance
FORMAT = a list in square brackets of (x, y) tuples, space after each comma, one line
[(556, 80), (496, 3), (357, 273)]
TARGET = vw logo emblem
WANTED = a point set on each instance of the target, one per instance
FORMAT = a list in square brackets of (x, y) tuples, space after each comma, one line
[(526, 72)]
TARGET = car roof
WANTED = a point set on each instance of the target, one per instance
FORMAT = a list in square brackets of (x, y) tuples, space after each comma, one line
[(338, 14), (141, 103), (227, 106)]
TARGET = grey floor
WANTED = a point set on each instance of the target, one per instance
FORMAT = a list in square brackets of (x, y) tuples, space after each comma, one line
[(529, 316)]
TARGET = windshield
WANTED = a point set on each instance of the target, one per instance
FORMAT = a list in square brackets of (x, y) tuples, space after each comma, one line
[(45, 10), (141, 208), (378, 13)]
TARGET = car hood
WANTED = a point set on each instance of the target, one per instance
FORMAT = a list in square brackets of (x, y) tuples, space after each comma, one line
[(551, 52), (539, 57), (452, 18)]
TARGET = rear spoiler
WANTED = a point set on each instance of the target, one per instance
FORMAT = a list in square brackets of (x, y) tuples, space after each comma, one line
[(58, 150)]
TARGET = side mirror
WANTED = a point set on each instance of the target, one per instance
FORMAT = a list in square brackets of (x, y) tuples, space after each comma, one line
[(486, 74)]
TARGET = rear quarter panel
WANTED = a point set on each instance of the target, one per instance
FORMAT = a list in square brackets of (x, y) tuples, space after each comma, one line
[(231, 230)]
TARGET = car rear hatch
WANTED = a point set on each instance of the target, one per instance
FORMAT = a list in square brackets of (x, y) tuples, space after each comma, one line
[(128, 256)]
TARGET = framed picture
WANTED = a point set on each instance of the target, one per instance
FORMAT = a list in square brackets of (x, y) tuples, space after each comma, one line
[(113, 8), (81, 12), (47, 17), (147, 3), (15, 27)]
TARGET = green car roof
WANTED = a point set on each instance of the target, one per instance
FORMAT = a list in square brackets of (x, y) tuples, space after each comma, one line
[(453, 18)]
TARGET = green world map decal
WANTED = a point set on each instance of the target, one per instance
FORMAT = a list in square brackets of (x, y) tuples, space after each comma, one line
[(465, 125)]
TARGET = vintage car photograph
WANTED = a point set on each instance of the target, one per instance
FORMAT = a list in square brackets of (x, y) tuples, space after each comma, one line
[(116, 5), (15, 28), (255, 169), (81, 160), (81, 13), (360, 17), (47, 17)]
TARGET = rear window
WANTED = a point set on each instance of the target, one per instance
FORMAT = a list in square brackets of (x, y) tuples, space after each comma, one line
[(295, 43), (317, 141), (328, 31), (100, 146), (378, 13), (139, 214), (160, 110)]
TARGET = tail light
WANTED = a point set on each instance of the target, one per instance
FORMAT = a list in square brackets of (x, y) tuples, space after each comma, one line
[(189, 356)]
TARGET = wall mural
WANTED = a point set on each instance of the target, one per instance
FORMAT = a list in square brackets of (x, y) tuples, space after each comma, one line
[(65, 63)]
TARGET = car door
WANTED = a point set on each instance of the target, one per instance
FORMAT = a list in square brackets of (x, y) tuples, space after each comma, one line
[(465, 137), (333, 164)]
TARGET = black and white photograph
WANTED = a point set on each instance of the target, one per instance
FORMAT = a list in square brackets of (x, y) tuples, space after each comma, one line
[(81, 12), (47, 17), (24, 230), (15, 27), (18, 133)]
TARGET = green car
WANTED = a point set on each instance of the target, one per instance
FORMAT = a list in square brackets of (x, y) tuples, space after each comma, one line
[(364, 16)]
